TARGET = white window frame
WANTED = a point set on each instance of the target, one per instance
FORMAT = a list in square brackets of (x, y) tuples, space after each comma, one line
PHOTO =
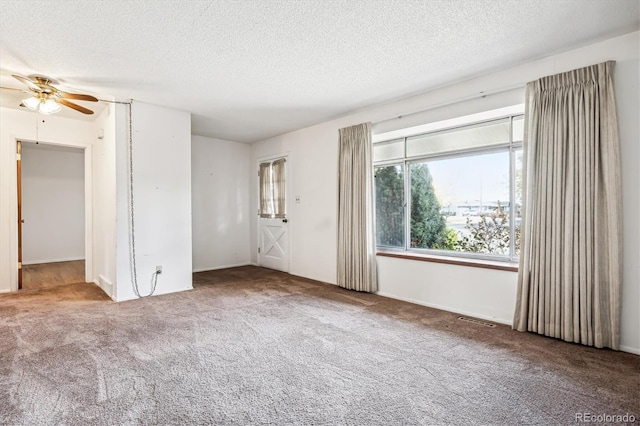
[(511, 147)]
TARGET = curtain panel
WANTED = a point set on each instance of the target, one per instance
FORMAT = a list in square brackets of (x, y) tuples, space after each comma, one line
[(266, 201), (356, 227), (570, 274), (279, 188)]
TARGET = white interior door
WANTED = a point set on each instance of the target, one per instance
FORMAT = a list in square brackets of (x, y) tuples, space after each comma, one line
[(274, 243), (273, 250)]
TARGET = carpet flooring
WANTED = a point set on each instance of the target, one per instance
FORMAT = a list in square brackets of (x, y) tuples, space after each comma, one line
[(47, 275), (254, 346)]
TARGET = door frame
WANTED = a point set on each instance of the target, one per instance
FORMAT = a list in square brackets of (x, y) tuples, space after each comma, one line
[(19, 201), (88, 207), (288, 196)]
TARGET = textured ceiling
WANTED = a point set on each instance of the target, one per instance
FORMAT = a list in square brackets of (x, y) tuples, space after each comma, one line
[(247, 70)]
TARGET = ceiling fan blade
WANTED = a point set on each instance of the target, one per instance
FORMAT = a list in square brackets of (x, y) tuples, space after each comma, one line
[(78, 96), (74, 106), (29, 83), (13, 88)]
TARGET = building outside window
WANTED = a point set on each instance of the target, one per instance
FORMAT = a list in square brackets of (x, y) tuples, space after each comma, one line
[(454, 191)]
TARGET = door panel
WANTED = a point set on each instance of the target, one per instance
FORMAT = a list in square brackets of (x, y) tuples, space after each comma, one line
[(274, 244), (273, 229)]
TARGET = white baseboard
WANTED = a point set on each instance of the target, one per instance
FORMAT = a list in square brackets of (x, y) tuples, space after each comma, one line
[(160, 293), (630, 349), (105, 285), (157, 293), (215, 268), (6, 290), (623, 348), (446, 308), (65, 259)]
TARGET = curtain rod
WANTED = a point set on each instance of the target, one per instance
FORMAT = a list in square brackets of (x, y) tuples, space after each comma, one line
[(452, 102)]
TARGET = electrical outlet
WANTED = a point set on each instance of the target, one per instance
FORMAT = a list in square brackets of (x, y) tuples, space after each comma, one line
[(159, 269)]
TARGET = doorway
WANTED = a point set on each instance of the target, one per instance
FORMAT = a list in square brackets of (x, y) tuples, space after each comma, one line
[(273, 221), (51, 209)]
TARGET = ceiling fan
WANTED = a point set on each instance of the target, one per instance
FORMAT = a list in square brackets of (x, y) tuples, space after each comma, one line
[(46, 99)]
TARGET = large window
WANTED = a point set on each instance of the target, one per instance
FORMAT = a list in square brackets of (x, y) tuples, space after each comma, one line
[(455, 191)]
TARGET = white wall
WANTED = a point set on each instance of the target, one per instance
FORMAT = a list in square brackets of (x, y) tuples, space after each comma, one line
[(27, 125), (313, 169), (483, 293), (220, 174), (162, 197), (104, 202), (162, 152), (479, 292), (52, 203)]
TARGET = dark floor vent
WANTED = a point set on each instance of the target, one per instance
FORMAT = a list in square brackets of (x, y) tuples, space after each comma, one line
[(477, 321)]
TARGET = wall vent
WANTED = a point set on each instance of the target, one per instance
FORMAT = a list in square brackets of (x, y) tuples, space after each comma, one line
[(477, 321)]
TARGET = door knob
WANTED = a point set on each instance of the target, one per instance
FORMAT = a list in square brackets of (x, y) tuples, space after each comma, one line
[(285, 220)]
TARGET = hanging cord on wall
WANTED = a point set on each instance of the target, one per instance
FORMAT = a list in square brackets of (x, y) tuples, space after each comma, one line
[(132, 226)]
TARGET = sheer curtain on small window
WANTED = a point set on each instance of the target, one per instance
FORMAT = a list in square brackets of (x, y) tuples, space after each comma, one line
[(278, 174), (273, 189), (570, 264), (266, 194), (356, 227)]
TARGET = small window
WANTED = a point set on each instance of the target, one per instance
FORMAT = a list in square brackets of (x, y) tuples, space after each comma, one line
[(389, 184), (467, 137), (518, 129), (390, 150), (272, 189)]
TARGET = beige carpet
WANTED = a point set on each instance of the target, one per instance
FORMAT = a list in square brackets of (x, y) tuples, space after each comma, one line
[(48, 275), (253, 346)]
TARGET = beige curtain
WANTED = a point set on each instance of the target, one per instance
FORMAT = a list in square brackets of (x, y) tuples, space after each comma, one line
[(279, 192), (266, 200), (569, 279), (356, 228)]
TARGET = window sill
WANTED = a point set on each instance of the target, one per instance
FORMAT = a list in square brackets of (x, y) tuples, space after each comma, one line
[(450, 260)]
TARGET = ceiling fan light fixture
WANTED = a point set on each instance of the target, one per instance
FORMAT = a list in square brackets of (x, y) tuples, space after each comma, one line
[(31, 103), (49, 106), (42, 104), (47, 99)]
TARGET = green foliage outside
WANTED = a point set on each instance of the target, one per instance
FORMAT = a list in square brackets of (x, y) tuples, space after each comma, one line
[(452, 241), (428, 226), (489, 235), (389, 185)]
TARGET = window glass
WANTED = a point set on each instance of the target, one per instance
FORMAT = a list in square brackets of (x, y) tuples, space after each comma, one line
[(518, 199), (518, 129), (390, 150), (389, 188), (266, 190), (475, 136), (272, 189), (461, 204), (452, 190)]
